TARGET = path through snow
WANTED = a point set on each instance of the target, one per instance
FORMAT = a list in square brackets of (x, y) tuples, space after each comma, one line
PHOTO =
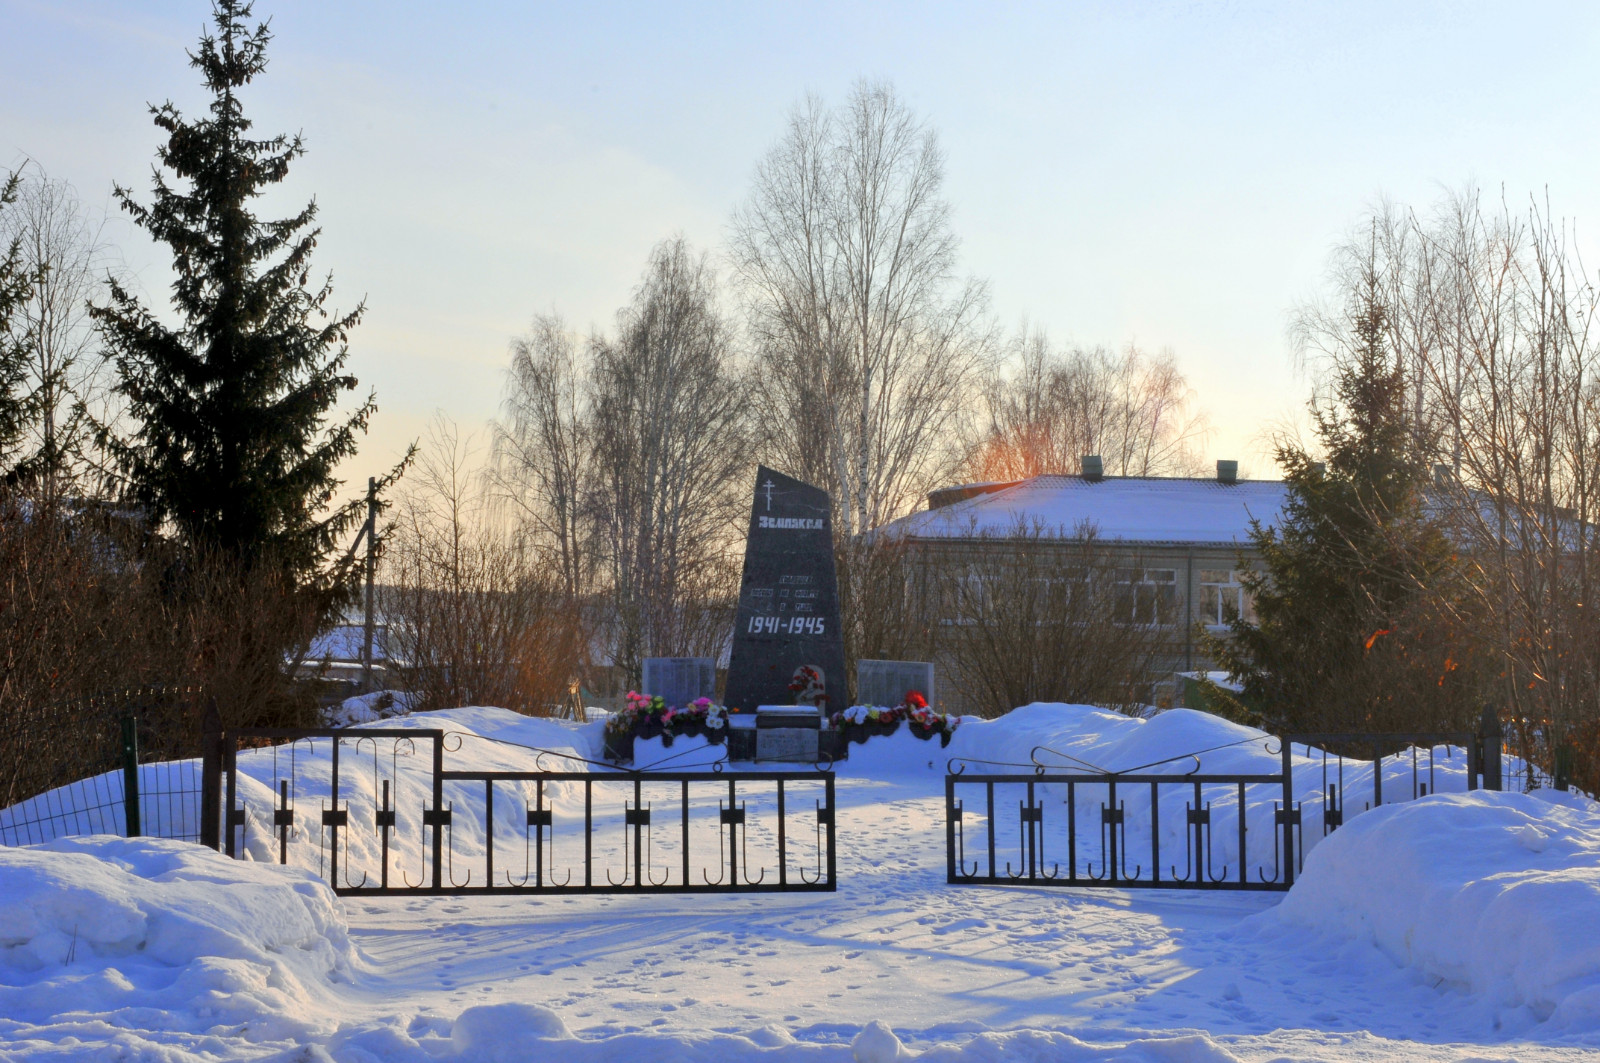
[(935, 962)]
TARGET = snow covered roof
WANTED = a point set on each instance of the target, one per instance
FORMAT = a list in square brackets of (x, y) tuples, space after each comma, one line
[(1140, 509), (343, 642)]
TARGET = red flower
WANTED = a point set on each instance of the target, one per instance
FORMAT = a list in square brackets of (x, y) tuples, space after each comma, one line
[(915, 700), (804, 676)]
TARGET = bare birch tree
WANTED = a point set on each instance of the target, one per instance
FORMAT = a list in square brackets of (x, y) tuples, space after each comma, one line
[(543, 450), (474, 611), (868, 345), (868, 348), (62, 251), (670, 449)]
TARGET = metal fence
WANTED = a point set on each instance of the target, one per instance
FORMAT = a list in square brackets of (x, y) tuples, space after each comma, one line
[(1194, 830), (158, 799), (55, 745), (1407, 763), (1073, 829), (377, 813)]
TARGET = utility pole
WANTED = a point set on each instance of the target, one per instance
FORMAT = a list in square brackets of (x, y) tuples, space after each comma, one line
[(371, 532)]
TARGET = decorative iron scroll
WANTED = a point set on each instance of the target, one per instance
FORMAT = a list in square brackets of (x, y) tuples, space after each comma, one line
[(1077, 824), (1111, 830), (389, 820)]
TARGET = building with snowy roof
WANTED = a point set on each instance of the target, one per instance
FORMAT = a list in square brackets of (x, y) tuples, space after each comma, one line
[(1179, 543), (337, 654)]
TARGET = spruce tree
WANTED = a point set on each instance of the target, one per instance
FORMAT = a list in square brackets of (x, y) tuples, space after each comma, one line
[(14, 282), (236, 431), (1353, 628)]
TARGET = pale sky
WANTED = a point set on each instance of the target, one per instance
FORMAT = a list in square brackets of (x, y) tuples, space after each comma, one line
[(1173, 174)]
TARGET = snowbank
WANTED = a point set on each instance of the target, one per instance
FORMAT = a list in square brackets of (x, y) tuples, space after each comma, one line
[(489, 739), (167, 951), (1496, 892), (368, 708), (1085, 738), (1071, 737), (108, 929), (515, 1033), (155, 949)]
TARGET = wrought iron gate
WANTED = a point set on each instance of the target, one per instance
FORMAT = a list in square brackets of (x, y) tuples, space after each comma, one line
[(482, 831), (1179, 831), (1073, 829)]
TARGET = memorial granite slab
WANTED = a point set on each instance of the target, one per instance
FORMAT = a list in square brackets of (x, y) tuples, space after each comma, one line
[(788, 643), (888, 682), (679, 680)]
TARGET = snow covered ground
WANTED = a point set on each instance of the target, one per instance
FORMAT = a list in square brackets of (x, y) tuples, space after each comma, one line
[(1458, 927)]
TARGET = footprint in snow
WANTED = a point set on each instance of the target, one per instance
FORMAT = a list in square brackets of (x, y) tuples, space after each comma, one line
[(960, 924)]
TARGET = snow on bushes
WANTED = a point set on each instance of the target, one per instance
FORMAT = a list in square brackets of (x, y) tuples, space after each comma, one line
[(368, 708), (1498, 893)]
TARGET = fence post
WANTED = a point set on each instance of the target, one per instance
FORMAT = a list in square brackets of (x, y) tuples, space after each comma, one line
[(211, 777), (1489, 735), (1287, 749), (130, 774), (1377, 773)]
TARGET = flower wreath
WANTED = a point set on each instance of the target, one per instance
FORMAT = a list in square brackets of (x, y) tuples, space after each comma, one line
[(860, 722), (649, 716)]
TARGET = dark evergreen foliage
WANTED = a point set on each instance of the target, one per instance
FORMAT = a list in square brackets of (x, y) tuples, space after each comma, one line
[(14, 281), (236, 427), (1353, 626)]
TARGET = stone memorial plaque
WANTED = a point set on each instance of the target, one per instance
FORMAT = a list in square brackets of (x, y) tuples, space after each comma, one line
[(679, 680), (787, 733), (793, 745), (886, 682), (788, 615)]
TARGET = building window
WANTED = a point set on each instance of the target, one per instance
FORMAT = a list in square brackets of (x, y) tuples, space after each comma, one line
[(1145, 595), (1222, 597)]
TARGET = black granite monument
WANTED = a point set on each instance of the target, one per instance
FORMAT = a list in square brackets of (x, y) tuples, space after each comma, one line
[(788, 603)]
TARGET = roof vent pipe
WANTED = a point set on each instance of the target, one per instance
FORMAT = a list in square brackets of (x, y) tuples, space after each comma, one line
[(1227, 471), (1093, 467)]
